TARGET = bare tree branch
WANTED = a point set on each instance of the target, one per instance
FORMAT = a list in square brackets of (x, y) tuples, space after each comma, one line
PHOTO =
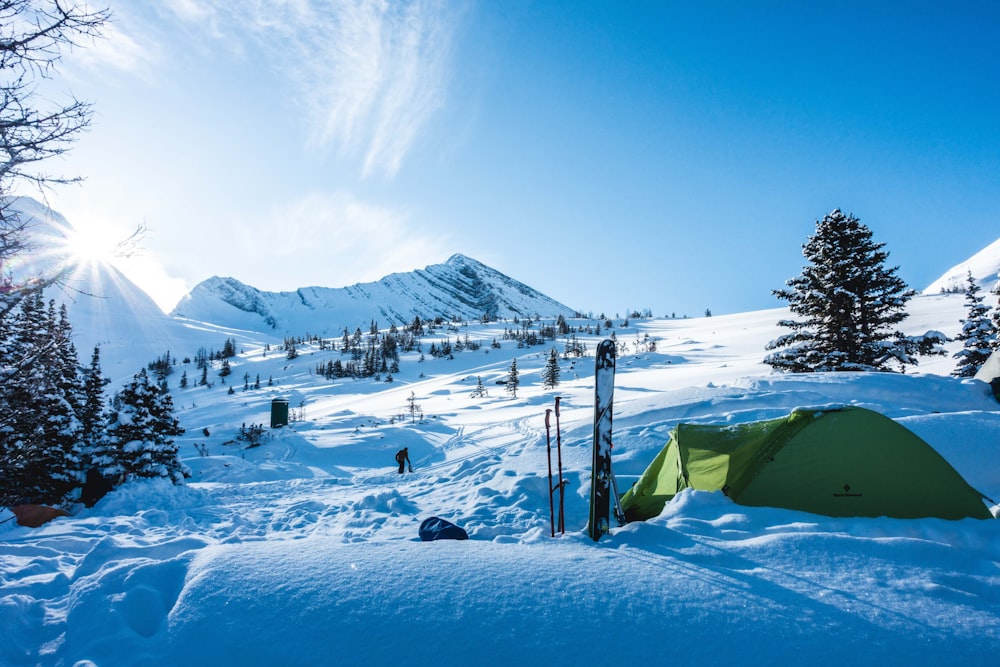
[(34, 34)]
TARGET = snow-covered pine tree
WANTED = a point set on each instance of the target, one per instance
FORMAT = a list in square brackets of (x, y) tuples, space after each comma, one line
[(513, 379), (850, 304), (66, 402), (141, 430), (21, 445), (550, 374), (978, 334), (94, 417), (41, 401)]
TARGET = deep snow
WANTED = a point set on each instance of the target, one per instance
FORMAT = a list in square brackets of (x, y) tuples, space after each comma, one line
[(305, 550)]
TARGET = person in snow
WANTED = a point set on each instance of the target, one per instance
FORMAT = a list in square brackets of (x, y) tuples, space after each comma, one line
[(96, 487), (403, 459)]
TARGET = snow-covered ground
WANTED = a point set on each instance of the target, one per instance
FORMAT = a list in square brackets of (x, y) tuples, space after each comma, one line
[(304, 550)]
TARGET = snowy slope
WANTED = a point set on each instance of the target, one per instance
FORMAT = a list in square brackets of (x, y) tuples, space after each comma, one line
[(104, 306), (985, 268), (304, 550), (461, 288)]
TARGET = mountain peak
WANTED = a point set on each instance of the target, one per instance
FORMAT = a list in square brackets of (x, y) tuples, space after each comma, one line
[(461, 288), (458, 259)]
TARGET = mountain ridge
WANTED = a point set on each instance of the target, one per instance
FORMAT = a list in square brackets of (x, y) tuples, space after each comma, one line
[(460, 288), (984, 267)]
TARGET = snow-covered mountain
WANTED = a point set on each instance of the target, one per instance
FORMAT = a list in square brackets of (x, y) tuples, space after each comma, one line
[(108, 309), (984, 266), (460, 288), (105, 308)]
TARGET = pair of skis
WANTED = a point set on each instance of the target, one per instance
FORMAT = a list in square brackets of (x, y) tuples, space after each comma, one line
[(603, 487)]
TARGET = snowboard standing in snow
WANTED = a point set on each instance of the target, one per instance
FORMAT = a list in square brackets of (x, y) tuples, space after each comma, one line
[(600, 480)]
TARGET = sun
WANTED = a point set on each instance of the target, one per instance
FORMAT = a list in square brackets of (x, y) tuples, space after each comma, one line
[(91, 247)]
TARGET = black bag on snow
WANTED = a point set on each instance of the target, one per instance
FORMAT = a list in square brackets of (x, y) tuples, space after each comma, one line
[(436, 528)]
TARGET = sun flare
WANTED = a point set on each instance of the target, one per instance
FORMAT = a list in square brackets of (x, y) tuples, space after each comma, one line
[(91, 247)]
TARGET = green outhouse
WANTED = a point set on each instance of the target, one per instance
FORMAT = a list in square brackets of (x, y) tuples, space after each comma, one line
[(279, 412)]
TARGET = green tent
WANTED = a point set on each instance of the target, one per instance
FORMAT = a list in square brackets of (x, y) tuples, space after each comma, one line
[(841, 462)]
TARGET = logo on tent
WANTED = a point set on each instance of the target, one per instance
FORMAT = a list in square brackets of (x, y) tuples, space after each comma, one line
[(847, 493)]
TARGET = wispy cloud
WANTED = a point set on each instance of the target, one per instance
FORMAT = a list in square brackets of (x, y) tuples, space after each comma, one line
[(369, 74), (337, 239), (387, 78), (120, 51)]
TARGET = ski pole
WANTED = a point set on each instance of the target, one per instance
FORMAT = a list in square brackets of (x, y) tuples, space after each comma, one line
[(548, 449), (562, 484)]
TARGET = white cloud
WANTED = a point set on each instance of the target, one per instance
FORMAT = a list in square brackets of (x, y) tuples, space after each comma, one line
[(417, 56), (369, 74), (121, 50), (191, 11), (332, 240)]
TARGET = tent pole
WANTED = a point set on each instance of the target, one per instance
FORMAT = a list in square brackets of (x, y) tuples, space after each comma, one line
[(619, 512)]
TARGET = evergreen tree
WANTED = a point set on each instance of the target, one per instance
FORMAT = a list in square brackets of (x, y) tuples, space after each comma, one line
[(72, 374), (412, 406), (850, 303), (141, 431), (93, 417), (978, 335), (550, 375), (480, 390), (513, 379), (19, 419), (66, 400), (42, 400)]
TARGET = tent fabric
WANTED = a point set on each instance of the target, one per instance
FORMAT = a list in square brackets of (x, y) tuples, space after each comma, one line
[(843, 462), (436, 528), (33, 516)]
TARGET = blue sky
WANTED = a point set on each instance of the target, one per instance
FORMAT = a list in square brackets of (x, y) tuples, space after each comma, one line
[(615, 155)]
